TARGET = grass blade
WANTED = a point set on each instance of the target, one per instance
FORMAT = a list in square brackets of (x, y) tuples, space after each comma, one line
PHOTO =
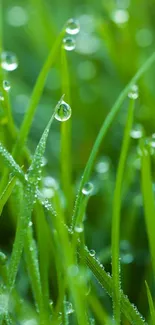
[(151, 305), (116, 215), (10, 162), (66, 164), (128, 309), (36, 95), (6, 194), (148, 200), (34, 274), (36, 165), (30, 188), (104, 128)]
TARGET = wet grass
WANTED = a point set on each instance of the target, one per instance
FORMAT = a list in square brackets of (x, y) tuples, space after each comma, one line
[(50, 260)]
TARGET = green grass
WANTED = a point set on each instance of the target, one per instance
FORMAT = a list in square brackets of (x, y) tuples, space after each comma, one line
[(52, 235)]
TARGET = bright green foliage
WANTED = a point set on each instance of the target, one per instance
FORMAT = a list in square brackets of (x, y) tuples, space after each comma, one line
[(52, 249)]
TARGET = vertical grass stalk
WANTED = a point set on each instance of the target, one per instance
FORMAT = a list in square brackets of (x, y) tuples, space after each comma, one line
[(116, 215), (66, 164), (148, 200)]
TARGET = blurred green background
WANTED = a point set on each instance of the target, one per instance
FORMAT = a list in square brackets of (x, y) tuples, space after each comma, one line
[(115, 39)]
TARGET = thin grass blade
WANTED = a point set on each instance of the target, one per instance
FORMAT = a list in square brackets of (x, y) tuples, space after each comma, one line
[(128, 309), (151, 304), (148, 200), (116, 215), (66, 164), (12, 165), (6, 193), (103, 131)]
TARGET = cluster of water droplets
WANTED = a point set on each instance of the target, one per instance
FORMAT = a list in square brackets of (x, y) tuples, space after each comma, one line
[(133, 92), (72, 29), (49, 186), (68, 308)]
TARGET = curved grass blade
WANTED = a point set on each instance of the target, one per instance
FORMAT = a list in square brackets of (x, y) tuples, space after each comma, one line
[(148, 200), (12, 165), (36, 165), (34, 274), (6, 193), (29, 196), (151, 305), (36, 95), (116, 215), (128, 309), (104, 128)]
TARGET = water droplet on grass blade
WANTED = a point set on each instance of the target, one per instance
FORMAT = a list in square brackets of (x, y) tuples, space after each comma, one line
[(134, 92), (69, 307), (137, 131), (72, 27), (1, 97), (9, 61), (79, 228), (30, 224), (92, 252), (63, 112), (69, 44), (6, 85), (88, 188), (3, 258)]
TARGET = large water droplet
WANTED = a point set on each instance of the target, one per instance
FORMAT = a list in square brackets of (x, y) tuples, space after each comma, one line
[(133, 93), (79, 228), (6, 85), (9, 61), (88, 188), (69, 44), (63, 112), (72, 27), (137, 131)]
